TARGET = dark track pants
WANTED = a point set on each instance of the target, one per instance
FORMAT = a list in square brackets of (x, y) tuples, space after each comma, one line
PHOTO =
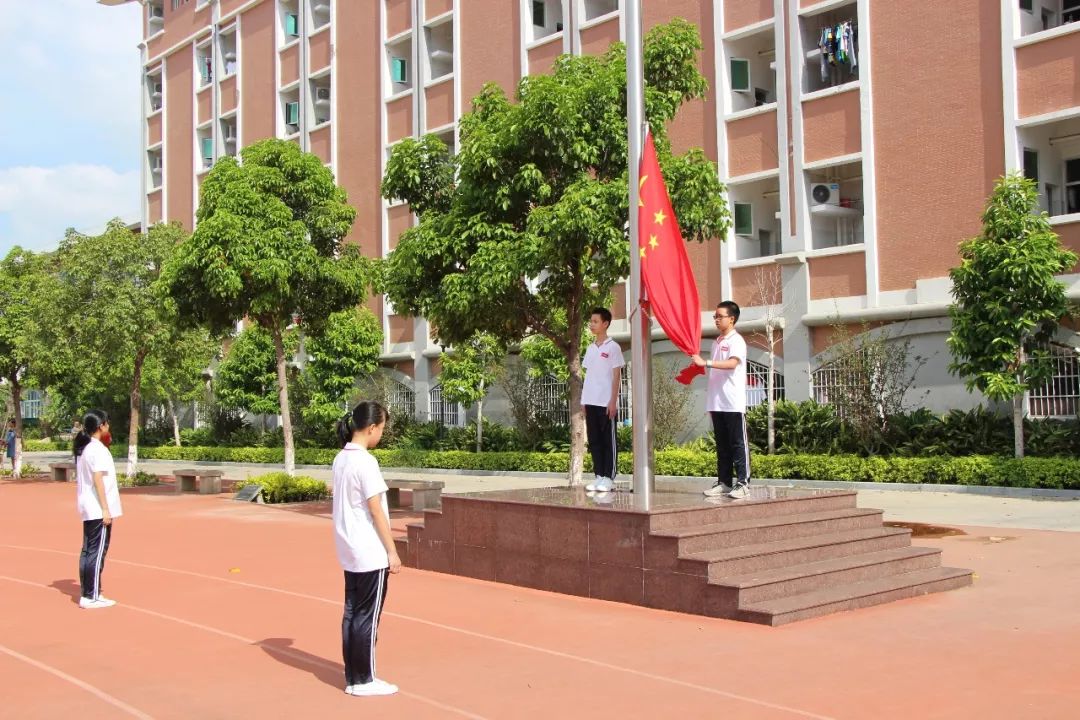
[(600, 430), (732, 447), (364, 596), (96, 537)]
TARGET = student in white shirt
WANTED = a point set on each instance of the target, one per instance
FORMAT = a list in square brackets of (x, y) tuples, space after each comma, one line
[(726, 403), (600, 400), (365, 547), (98, 501)]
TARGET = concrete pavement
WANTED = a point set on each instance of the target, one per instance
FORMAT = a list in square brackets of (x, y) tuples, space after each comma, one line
[(899, 503)]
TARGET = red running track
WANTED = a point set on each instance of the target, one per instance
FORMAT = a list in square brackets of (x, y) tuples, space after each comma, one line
[(232, 610)]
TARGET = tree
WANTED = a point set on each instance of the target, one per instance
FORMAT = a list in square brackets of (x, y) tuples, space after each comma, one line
[(268, 246), (22, 273), (177, 376), (104, 318), (247, 377), (468, 371), (532, 233), (1008, 301), (768, 294), (347, 348)]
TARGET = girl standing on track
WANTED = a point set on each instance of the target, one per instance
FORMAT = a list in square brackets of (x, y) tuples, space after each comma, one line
[(98, 502), (365, 547)]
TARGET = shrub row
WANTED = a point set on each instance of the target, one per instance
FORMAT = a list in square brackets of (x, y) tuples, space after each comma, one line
[(1060, 473)]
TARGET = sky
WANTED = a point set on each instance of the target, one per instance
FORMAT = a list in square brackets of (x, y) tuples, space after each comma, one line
[(69, 132)]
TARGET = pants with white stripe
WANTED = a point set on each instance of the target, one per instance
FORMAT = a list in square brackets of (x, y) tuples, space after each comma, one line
[(364, 596), (600, 429), (732, 447), (96, 537)]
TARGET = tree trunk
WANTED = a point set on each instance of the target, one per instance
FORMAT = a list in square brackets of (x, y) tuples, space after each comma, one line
[(175, 422), (770, 390), (1018, 409), (16, 400), (577, 417), (136, 406), (283, 400), (480, 422)]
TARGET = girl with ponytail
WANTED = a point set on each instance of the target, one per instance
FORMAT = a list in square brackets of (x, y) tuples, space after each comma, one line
[(98, 500), (365, 547)]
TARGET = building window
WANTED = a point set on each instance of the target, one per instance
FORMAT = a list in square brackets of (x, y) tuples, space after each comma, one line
[(1026, 5), (443, 412), (740, 75), (1031, 164), (1060, 396), (744, 219), (757, 383), (402, 400), (1072, 186)]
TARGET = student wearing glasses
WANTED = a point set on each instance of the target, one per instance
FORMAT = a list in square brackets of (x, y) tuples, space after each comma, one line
[(726, 403)]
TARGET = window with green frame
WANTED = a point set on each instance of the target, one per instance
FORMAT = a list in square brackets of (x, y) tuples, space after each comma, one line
[(744, 218), (1031, 164), (292, 25), (292, 113), (1026, 5), (207, 145), (399, 70), (740, 75)]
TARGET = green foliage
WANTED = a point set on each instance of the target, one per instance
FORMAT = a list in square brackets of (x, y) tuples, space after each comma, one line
[(280, 487), (1008, 300), (22, 274), (671, 405), (268, 246), (27, 470), (532, 233), (247, 377), (470, 368), (140, 479)]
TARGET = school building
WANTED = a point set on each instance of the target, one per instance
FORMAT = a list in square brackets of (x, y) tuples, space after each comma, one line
[(859, 140)]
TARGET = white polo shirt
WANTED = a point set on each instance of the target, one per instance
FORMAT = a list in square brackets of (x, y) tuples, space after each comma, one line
[(601, 362), (357, 479), (727, 388), (96, 457)]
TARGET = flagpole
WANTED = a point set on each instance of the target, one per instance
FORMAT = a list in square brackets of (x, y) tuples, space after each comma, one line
[(640, 336)]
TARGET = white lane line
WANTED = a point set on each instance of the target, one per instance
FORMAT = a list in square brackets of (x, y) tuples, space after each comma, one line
[(471, 633), (96, 692), (302, 657)]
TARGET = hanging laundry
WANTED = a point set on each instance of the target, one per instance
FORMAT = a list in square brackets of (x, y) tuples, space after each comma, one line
[(839, 46)]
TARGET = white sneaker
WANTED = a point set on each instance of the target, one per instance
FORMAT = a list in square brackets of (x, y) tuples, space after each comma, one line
[(375, 687), (717, 490), (90, 604), (604, 485), (591, 487), (740, 491)]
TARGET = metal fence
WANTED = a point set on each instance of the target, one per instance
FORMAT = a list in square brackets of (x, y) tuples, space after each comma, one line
[(444, 412), (1060, 396), (829, 379), (757, 383), (402, 400), (553, 399)]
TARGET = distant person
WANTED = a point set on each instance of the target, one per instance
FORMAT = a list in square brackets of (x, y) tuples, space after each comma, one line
[(600, 400), (10, 438), (726, 403), (365, 547), (98, 502)]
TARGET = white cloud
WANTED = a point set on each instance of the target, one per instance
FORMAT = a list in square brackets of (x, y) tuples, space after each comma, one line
[(38, 204), (69, 141)]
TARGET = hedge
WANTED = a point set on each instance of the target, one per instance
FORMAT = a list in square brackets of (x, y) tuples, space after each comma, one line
[(1029, 472), (278, 487)]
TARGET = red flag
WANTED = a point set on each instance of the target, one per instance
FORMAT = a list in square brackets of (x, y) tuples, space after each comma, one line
[(665, 266)]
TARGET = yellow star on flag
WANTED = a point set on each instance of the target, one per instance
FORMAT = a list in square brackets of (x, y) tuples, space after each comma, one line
[(660, 217), (642, 253), (640, 202), (653, 242)]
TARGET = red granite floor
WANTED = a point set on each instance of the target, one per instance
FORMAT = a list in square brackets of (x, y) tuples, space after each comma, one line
[(233, 611)]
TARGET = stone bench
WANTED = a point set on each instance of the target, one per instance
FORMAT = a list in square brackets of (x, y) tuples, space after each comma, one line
[(63, 471), (426, 494), (209, 481)]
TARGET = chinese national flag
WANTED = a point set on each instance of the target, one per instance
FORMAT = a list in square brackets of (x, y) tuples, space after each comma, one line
[(665, 266)]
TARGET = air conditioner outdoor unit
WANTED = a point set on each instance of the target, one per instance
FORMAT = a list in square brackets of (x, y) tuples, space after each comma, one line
[(156, 12), (322, 94), (825, 193), (155, 165), (157, 90), (230, 133)]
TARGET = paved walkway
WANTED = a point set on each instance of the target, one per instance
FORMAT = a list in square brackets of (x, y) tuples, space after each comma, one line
[(938, 508)]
